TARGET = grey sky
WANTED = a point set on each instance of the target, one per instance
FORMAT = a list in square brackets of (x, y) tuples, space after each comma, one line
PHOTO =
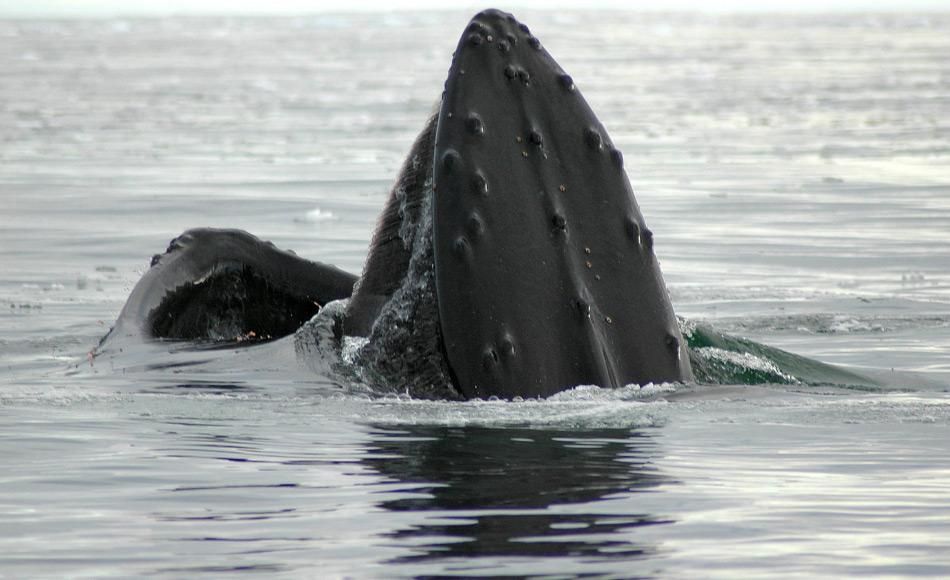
[(94, 8)]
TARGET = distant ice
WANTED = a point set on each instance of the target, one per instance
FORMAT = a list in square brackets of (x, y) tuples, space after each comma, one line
[(317, 215)]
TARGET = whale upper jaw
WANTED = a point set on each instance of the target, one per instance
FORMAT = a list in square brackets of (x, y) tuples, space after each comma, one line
[(545, 271)]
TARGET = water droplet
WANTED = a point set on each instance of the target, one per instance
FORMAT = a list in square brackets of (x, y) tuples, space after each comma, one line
[(535, 138), (510, 72), (475, 39)]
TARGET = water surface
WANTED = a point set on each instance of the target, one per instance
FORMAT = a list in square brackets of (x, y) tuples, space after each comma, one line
[(793, 170)]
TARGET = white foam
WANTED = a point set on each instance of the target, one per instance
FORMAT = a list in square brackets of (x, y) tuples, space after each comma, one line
[(744, 360)]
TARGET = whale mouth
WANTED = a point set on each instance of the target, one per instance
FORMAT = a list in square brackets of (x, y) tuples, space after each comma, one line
[(231, 302), (511, 259)]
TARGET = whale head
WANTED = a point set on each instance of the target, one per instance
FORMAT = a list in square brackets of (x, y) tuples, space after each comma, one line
[(542, 269)]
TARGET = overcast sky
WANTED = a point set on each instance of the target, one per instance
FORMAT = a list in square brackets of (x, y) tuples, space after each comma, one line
[(93, 8)]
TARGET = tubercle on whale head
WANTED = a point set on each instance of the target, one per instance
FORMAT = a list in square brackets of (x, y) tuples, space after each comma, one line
[(519, 152)]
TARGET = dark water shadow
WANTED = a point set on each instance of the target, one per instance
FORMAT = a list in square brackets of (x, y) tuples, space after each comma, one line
[(196, 386), (533, 493)]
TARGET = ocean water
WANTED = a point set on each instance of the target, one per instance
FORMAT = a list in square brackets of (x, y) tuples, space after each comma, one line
[(793, 169)]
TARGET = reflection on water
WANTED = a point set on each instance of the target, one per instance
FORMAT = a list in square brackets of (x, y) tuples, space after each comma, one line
[(183, 485), (518, 492)]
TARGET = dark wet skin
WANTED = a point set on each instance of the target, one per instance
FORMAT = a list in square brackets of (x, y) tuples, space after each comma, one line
[(223, 285), (544, 271), (545, 267)]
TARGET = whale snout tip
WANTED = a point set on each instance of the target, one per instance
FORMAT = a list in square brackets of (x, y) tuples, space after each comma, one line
[(494, 14), (494, 25)]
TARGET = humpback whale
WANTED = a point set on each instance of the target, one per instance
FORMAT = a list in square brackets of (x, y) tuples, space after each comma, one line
[(511, 258)]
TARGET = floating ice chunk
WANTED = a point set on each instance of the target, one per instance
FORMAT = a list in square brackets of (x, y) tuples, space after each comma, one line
[(317, 215)]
